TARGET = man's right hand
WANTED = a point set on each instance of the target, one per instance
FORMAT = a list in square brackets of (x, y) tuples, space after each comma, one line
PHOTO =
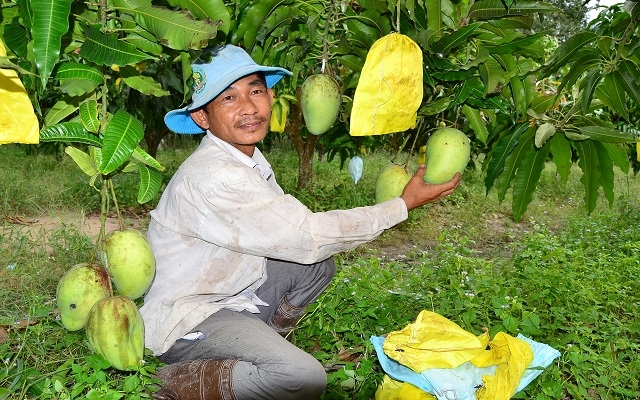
[(418, 193)]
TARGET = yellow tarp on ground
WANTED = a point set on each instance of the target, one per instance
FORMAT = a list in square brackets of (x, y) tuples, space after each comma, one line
[(389, 90), (18, 122)]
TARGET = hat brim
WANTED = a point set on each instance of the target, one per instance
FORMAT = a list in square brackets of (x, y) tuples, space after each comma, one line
[(180, 120)]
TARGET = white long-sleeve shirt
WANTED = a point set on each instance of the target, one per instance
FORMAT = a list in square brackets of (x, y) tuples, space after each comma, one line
[(221, 215)]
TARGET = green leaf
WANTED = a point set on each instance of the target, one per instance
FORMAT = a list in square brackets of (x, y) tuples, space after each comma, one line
[(60, 110), (514, 22), (435, 107), (120, 139), (141, 83), (69, 132), (527, 179), (78, 87), (144, 44), (515, 45), (588, 163), (541, 103), (248, 28), (131, 3), (143, 157), (513, 161), (434, 17), (469, 86), (500, 151), (490, 9), (176, 30), (605, 165), (150, 182), (562, 155), (629, 74), (449, 42), (564, 53), (619, 155), (16, 38), (215, 10), (89, 115), (50, 22), (476, 123), (83, 160), (543, 133), (72, 70), (588, 86), (612, 90), (493, 76), (578, 68), (608, 134), (106, 49)]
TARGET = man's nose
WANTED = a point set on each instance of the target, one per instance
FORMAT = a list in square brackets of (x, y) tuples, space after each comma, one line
[(248, 105)]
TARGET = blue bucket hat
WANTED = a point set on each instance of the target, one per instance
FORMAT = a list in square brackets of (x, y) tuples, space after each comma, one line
[(228, 64)]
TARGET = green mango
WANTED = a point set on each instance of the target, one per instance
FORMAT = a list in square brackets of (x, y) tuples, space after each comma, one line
[(391, 182), (78, 290), (320, 102), (448, 152), (129, 259), (115, 330)]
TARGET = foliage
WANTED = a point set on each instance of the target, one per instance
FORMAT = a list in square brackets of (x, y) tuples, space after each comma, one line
[(569, 290), (559, 276), (483, 61)]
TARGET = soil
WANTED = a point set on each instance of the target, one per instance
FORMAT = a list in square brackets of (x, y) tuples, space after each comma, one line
[(86, 224)]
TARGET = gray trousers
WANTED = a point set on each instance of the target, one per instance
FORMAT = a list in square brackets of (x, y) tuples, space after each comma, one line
[(269, 366)]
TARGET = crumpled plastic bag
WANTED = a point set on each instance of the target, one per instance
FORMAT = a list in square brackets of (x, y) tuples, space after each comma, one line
[(389, 90), (18, 122), (506, 367), (390, 389), (433, 341)]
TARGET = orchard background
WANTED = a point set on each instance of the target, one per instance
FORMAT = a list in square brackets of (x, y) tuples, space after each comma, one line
[(541, 238)]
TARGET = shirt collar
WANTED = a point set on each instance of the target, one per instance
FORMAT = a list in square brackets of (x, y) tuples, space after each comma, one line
[(257, 162)]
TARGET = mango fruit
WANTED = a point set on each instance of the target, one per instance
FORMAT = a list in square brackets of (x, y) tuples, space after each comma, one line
[(115, 330), (320, 102), (129, 260), (448, 152), (78, 290), (391, 182)]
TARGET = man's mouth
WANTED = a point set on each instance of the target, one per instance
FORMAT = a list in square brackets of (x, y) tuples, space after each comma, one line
[(249, 122)]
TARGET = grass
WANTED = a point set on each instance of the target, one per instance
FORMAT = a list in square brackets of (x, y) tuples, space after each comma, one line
[(558, 276)]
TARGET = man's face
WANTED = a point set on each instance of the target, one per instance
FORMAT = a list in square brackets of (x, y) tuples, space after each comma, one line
[(240, 114)]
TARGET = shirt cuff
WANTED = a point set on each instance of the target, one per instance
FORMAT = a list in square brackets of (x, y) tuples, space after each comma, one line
[(396, 209)]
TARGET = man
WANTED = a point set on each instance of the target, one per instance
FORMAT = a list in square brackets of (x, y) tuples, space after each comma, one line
[(237, 259)]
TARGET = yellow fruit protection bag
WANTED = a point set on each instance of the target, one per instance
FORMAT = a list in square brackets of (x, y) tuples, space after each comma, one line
[(389, 91)]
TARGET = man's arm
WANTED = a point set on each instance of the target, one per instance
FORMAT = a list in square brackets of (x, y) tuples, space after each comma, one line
[(418, 193)]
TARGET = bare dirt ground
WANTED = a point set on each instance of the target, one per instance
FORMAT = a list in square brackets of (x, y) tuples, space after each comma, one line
[(86, 224)]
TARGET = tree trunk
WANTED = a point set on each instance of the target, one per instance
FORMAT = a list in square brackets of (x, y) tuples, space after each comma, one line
[(305, 147)]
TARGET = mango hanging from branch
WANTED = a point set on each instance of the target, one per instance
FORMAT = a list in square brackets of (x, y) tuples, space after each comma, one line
[(389, 91), (320, 102), (448, 152)]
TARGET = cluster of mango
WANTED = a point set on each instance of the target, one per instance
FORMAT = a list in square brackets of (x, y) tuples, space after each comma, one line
[(87, 299)]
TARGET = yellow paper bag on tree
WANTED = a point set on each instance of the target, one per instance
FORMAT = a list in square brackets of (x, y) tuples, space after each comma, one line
[(18, 122), (389, 91)]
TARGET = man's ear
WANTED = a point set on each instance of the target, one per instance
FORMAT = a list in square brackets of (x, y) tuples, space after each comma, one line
[(199, 116)]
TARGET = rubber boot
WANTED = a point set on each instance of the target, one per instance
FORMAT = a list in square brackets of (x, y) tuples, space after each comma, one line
[(196, 380), (285, 318)]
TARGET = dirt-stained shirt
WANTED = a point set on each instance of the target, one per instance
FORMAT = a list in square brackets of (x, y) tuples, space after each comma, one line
[(218, 220)]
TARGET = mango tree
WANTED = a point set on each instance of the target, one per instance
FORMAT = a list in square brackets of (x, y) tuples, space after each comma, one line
[(482, 68)]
